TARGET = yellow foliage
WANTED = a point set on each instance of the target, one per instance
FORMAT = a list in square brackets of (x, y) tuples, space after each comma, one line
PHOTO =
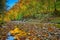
[(6, 19), (0, 18), (11, 31), (18, 32), (23, 7), (15, 15)]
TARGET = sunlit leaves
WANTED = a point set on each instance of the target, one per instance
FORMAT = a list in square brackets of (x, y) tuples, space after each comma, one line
[(7, 19), (26, 8), (23, 7), (18, 32)]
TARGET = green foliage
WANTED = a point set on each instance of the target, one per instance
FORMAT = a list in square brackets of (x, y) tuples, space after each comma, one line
[(19, 16), (35, 9), (58, 5), (56, 20), (58, 25)]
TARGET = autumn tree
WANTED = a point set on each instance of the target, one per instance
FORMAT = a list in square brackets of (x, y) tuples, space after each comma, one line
[(32, 9), (2, 10)]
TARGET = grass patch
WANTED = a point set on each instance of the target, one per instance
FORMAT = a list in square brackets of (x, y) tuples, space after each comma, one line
[(56, 20), (58, 25)]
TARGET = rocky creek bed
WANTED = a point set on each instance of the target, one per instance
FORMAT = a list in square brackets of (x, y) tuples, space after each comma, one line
[(36, 31)]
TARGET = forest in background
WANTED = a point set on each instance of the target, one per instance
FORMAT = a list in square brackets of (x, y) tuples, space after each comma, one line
[(43, 10)]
